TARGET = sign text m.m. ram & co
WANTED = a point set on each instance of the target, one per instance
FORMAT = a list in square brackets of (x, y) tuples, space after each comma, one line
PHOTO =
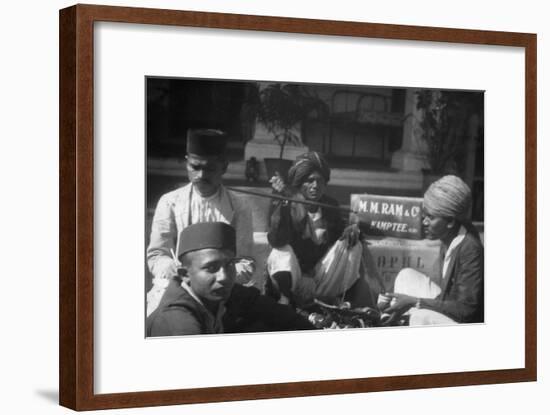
[(400, 217)]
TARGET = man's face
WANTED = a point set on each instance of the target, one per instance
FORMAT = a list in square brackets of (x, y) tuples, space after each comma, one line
[(205, 173), (210, 273), (436, 227), (314, 186)]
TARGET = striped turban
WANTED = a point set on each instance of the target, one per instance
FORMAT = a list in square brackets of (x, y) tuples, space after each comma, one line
[(306, 164), (448, 197)]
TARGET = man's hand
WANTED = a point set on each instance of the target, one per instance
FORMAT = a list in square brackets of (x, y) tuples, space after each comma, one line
[(245, 271), (383, 301), (400, 302), (278, 184), (351, 235)]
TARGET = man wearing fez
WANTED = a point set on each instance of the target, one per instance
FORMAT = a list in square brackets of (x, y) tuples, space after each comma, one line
[(204, 199), (458, 295), (204, 299)]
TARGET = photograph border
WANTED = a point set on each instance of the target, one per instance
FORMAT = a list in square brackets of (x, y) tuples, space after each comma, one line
[(76, 210)]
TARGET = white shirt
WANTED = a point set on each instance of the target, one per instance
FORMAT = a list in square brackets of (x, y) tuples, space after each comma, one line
[(454, 243), (316, 227), (206, 209)]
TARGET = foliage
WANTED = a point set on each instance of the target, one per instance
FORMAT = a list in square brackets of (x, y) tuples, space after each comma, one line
[(282, 107), (444, 125)]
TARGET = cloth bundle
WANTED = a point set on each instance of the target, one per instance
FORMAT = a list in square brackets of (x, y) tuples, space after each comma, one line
[(338, 270)]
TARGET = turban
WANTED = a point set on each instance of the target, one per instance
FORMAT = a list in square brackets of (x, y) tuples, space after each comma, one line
[(204, 235), (306, 164), (448, 197)]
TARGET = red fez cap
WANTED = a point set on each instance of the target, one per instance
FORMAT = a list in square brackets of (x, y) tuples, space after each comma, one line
[(206, 142), (204, 235)]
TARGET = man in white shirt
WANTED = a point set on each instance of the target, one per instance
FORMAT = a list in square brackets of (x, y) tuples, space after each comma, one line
[(204, 199)]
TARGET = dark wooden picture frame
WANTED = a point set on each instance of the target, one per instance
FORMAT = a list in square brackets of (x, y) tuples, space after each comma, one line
[(76, 306)]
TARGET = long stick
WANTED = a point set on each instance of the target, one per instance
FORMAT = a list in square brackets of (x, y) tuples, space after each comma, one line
[(290, 199)]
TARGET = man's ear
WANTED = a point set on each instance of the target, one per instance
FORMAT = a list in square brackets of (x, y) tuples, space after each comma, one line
[(451, 223), (225, 163)]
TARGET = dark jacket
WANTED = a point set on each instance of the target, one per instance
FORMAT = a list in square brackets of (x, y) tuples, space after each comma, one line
[(462, 295), (245, 311), (286, 230)]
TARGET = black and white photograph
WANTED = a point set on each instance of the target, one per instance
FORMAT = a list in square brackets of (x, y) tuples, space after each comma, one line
[(281, 206)]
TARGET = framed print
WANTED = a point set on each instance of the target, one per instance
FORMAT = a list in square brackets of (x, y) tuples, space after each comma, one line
[(403, 202)]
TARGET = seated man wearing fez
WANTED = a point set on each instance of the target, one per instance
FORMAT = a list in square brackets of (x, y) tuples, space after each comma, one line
[(204, 199), (204, 298), (459, 296)]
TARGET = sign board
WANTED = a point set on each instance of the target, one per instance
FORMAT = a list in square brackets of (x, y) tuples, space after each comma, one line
[(400, 217), (391, 255)]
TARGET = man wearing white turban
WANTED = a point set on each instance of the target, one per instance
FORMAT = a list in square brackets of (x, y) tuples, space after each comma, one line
[(458, 298)]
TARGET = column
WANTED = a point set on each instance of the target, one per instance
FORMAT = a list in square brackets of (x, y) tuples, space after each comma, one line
[(411, 155)]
